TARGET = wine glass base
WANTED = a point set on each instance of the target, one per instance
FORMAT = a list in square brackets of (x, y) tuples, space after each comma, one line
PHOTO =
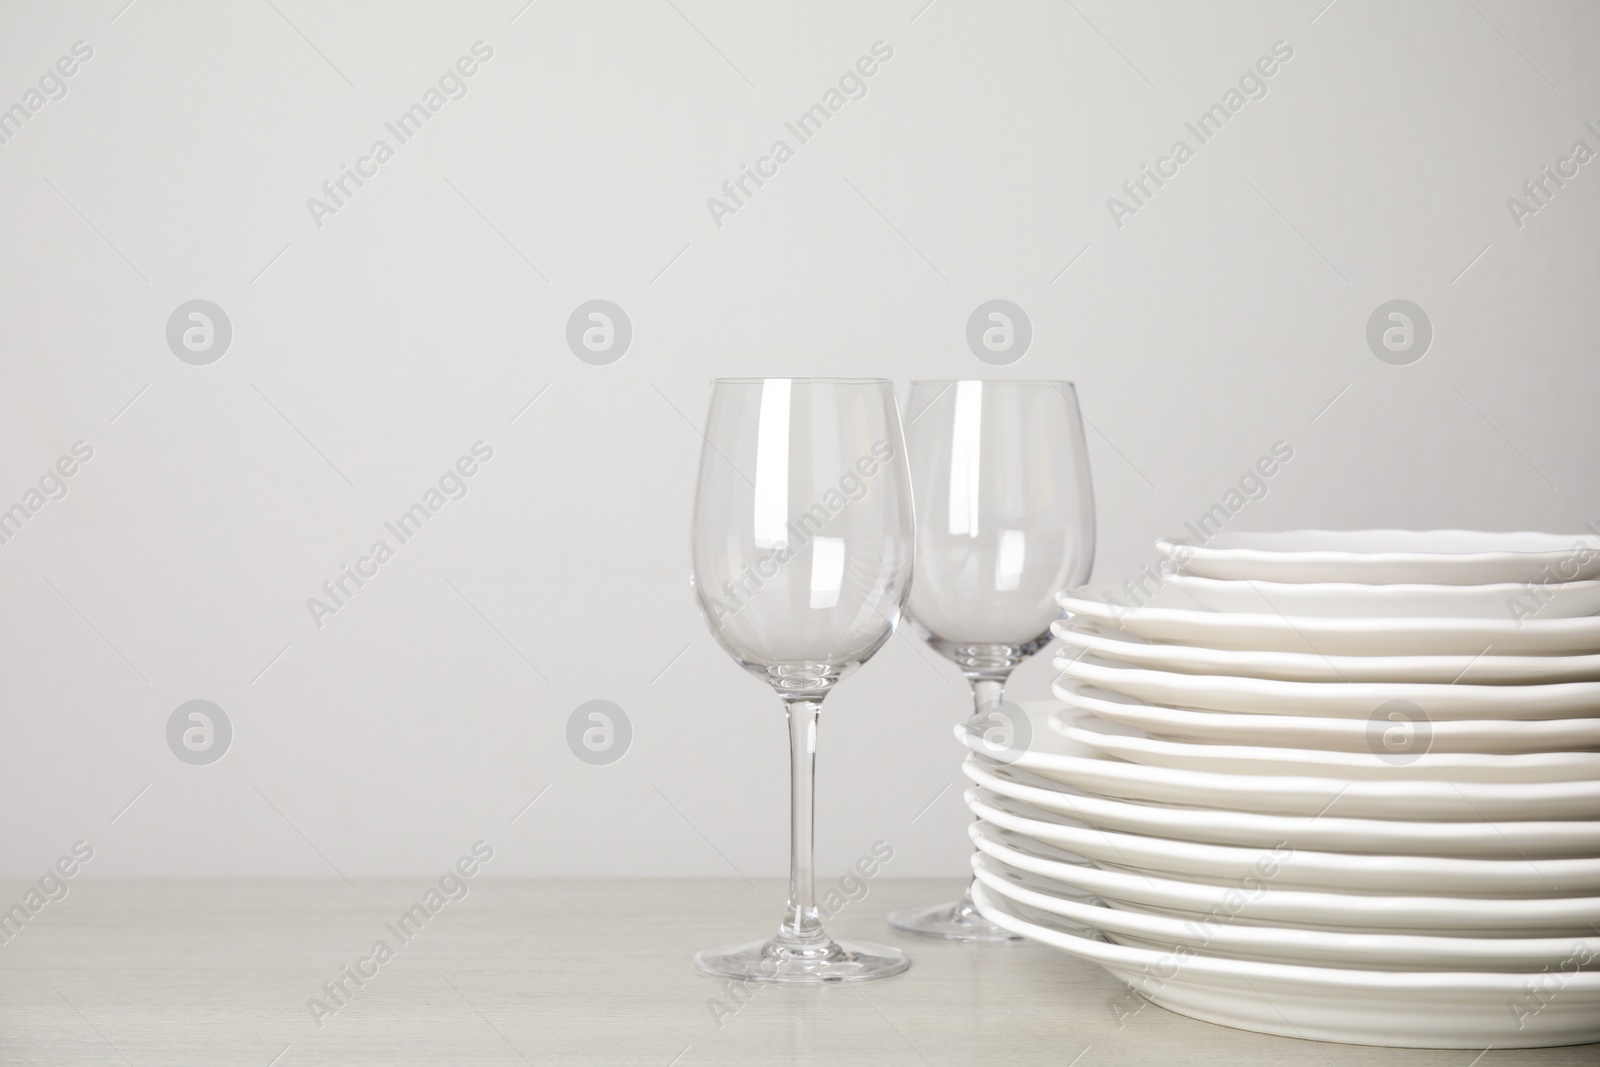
[(830, 961), (959, 921)]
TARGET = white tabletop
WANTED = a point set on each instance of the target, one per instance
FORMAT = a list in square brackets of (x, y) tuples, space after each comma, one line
[(195, 972)]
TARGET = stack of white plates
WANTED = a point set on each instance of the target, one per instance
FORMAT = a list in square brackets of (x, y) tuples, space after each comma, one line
[(1340, 786)]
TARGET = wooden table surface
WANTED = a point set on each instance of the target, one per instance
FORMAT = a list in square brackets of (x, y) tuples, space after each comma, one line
[(533, 972)]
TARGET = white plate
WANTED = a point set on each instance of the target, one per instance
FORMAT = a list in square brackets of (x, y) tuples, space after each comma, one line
[(1272, 696), (1410, 1009), (1061, 760), (1375, 636), (1225, 936), (1080, 635), (1330, 600), (1339, 872), (1448, 557), (1325, 733), (1128, 743), (1329, 833), (1262, 904)]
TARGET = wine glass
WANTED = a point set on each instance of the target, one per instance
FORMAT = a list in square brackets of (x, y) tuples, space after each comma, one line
[(802, 563), (1005, 520)]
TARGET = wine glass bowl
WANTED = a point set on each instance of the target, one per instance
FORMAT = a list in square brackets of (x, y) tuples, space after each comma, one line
[(802, 555), (1005, 511)]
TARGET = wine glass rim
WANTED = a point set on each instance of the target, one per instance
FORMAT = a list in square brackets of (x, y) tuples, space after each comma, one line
[(995, 381), (802, 381)]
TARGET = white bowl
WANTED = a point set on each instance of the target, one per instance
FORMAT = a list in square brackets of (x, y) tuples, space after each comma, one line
[(1271, 696), (1226, 936), (1327, 833), (1428, 1009), (1371, 636), (1450, 557), (1290, 868), (1081, 636), (1264, 904), (1326, 733), (1127, 743), (1330, 600)]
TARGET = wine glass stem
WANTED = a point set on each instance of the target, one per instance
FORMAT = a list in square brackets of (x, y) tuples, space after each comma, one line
[(986, 690), (801, 922)]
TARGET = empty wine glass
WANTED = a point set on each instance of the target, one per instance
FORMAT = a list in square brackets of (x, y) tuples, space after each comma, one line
[(1005, 520), (802, 564)]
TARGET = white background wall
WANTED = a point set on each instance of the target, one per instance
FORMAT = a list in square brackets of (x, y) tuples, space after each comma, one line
[(1227, 314)]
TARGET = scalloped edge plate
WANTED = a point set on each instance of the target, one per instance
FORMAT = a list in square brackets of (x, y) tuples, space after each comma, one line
[(1370, 636), (1225, 936), (1443, 557), (1273, 696), (1092, 639), (1328, 833), (1408, 1009)]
